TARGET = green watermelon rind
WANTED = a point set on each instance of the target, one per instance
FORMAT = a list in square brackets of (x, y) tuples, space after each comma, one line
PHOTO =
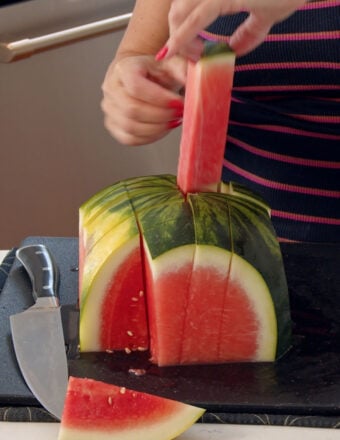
[(254, 239), (212, 49)]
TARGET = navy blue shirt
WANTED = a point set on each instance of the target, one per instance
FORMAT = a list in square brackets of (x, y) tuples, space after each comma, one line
[(284, 130)]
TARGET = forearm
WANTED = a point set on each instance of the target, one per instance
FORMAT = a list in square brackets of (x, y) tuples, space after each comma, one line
[(148, 29)]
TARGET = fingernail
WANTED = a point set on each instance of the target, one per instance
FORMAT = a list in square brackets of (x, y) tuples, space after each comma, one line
[(178, 113), (175, 123), (162, 53), (178, 108), (176, 104)]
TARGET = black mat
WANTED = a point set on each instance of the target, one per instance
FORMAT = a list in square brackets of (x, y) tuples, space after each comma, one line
[(304, 385)]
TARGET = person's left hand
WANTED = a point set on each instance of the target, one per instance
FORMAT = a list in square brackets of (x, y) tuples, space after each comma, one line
[(141, 100)]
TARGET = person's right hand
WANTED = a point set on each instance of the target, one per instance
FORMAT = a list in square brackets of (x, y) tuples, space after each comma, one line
[(188, 18), (141, 99)]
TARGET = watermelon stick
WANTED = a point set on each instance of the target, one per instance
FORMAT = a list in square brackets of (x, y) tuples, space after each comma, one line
[(205, 119)]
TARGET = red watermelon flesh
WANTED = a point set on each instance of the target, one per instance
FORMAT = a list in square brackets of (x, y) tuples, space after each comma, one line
[(207, 98), (206, 313), (128, 330), (99, 410)]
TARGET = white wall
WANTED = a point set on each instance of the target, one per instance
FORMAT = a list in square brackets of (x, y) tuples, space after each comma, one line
[(55, 151)]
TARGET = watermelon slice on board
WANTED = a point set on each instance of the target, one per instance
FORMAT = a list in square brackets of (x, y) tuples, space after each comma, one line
[(101, 411)]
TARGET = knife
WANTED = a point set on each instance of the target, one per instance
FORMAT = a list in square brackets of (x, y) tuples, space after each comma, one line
[(37, 332)]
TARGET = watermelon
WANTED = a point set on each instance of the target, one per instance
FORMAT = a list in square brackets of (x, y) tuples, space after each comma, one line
[(207, 96), (186, 267), (99, 410)]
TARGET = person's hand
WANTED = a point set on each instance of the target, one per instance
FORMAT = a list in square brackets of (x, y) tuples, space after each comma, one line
[(141, 99), (188, 18)]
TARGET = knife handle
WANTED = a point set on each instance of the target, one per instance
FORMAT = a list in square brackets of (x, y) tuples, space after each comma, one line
[(42, 271)]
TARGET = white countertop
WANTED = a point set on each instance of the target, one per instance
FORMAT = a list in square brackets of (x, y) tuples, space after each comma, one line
[(2, 255), (49, 431)]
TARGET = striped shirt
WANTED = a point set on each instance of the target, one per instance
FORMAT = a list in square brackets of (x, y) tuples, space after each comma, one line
[(284, 130)]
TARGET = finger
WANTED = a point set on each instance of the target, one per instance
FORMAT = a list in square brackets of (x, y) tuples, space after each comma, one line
[(141, 85), (136, 133), (250, 34), (134, 122), (133, 109), (185, 28), (193, 50)]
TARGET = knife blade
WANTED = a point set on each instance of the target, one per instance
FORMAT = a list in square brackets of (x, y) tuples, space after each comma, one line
[(37, 333)]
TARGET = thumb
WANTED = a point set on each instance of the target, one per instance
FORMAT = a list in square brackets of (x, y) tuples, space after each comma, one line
[(249, 34)]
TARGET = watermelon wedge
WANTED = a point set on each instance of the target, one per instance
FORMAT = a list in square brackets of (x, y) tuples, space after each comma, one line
[(186, 267), (207, 99), (111, 277), (97, 410)]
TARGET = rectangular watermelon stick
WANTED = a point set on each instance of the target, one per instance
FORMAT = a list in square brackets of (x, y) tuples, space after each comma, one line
[(205, 119)]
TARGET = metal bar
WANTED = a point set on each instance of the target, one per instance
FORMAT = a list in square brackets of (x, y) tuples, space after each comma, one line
[(26, 47)]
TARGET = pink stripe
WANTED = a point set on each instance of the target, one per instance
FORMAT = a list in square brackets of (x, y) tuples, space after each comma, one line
[(284, 88), (324, 35), (320, 5), (284, 158), (329, 35), (281, 186), (288, 130), (317, 118), (276, 66), (305, 218)]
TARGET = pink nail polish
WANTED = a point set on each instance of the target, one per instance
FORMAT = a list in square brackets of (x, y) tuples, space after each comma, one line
[(177, 104), (162, 53), (178, 108), (175, 123), (178, 113)]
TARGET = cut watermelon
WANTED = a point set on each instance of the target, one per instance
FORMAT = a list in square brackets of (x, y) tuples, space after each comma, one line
[(198, 258), (111, 278), (207, 101), (96, 410), (212, 276)]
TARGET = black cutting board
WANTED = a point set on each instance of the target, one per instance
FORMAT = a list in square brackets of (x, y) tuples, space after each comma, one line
[(306, 381)]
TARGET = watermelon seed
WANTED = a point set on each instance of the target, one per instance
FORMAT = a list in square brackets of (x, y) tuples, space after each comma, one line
[(109, 400), (141, 348), (141, 293), (134, 298), (109, 351), (127, 350), (130, 333), (122, 390)]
